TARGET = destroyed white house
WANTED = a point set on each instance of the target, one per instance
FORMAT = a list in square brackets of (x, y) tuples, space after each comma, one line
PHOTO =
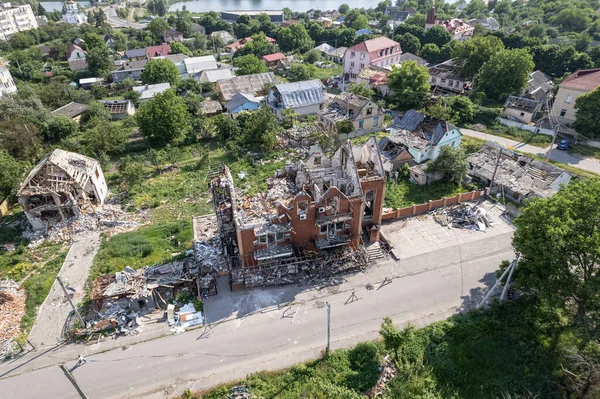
[(119, 109), (305, 97), (520, 109), (366, 116), (62, 185), (317, 205), (421, 135), (445, 78), (515, 176)]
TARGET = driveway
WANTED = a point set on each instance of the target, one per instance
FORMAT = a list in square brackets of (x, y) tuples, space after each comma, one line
[(115, 20), (421, 289), (47, 330), (588, 164)]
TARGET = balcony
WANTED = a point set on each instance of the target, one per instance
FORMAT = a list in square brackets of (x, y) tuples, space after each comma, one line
[(332, 241), (274, 252)]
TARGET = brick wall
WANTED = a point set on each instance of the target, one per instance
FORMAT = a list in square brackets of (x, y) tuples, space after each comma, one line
[(424, 208)]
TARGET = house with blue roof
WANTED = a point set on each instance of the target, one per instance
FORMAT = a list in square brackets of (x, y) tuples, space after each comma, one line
[(304, 97), (242, 102), (423, 136), (364, 32)]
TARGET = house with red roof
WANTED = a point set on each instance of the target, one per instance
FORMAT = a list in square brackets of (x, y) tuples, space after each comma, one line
[(76, 57), (459, 29), (235, 46), (380, 52), (579, 82), (158, 51), (271, 60)]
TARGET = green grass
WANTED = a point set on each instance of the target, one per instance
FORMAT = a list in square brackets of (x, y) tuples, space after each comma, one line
[(512, 133), (363, 139), (471, 144), (405, 193), (507, 350), (38, 285), (324, 73)]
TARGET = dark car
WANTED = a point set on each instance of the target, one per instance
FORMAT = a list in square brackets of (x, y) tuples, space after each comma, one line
[(563, 145)]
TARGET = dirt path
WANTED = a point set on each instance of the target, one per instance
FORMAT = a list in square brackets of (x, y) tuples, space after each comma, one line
[(74, 272)]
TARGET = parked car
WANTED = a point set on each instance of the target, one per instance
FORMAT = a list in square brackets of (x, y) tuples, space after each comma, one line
[(563, 145)]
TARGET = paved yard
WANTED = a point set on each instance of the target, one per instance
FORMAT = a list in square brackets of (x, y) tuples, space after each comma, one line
[(420, 235)]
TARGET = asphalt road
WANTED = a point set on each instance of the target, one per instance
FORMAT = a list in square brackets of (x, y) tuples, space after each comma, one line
[(453, 281), (589, 164), (114, 20)]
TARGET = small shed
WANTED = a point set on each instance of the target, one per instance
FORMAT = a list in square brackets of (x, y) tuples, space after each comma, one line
[(211, 107), (242, 102)]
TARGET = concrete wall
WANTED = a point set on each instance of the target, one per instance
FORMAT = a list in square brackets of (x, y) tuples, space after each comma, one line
[(524, 126), (522, 116), (423, 208), (565, 100)]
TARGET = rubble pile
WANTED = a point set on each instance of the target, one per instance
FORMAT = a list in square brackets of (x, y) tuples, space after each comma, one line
[(108, 216), (464, 216), (239, 392), (301, 136), (388, 371), (280, 188), (12, 309)]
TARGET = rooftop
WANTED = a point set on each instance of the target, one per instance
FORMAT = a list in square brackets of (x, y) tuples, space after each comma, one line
[(149, 91), (71, 110), (377, 48), (300, 94), (212, 75), (273, 57), (446, 70), (195, 65), (157, 51), (416, 130), (239, 99), (522, 104), (583, 79), (135, 53), (117, 106), (250, 84)]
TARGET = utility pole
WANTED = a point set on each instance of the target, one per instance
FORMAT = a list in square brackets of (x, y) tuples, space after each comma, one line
[(328, 328), (72, 379), (71, 302), (496, 167), (552, 144), (510, 269)]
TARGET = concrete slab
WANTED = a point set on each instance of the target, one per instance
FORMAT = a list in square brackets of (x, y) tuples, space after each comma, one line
[(421, 234)]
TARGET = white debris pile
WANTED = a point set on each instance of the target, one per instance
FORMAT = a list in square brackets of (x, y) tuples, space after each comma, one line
[(186, 317), (12, 309), (280, 188), (465, 216), (108, 216)]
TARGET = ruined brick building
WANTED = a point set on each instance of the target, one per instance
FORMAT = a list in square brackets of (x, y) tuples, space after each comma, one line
[(319, 204), (59, 187)]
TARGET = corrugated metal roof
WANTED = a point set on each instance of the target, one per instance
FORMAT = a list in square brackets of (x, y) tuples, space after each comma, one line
[(301, 94), (198, 64)]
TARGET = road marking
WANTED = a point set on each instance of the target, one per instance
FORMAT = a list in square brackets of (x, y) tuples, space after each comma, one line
[(296, 313)]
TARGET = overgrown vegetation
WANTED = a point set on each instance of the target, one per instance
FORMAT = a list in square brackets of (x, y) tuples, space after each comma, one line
[(403, 193)]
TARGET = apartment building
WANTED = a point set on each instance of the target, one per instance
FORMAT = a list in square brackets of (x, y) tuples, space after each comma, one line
[(381, 52), (7, 84), (14, 19), (578, 83)]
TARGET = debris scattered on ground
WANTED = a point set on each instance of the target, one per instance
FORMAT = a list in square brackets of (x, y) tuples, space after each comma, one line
[(109, 216), (239, 392), (464, 216), (12, 309), (388, 371)]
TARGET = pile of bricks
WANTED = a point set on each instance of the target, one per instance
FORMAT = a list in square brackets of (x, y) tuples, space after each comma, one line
[(12, 309)]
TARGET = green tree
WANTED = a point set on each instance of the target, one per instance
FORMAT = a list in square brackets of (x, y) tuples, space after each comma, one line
[(179, 48), (574, 19), (93, 40), (471, 54), (344, 127), (259, 46), (94, 112), (559, 242), (164, 119), (356, 20), (587, 117), (361, 89), (505, 73), (438, 36), (11, 174), (582, 42), (344, 8), (451, 162), (259, 129), (20, 139), (410, 83), (313, 56), (108, 138), (394, 339), (249, 64), (60, 127), (431, 53), (158, 27), (409, 43), (301, 72), (160, 71), (295, 38), (98, 60), (227, 128)]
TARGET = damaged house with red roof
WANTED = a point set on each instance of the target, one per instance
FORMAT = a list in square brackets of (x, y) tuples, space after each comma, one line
[(458, 29), (314, 206)]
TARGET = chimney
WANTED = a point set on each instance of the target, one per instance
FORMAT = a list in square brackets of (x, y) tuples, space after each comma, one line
[(431, 17)]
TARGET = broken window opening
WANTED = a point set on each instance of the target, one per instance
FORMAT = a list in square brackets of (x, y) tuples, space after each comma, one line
[(270, 238), (323, 229), (280, 236), (262, 239), (339, 226), (332, 202), (369, 202), (369, 111), (343, 188), (302, 206), (317, 160)]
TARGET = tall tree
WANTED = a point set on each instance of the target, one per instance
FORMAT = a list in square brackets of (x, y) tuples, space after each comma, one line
[(98, 60), (587, 117), (438, 36), (471, 54), (295, 38), (409, 43), (574, 19), (507, 72), (451, 162), (410, 83), (248, 65), (259, 46), (160, 71), (164, 119), (559, 242), (356, 20), (158, 27), (431, 53), (11, 173)]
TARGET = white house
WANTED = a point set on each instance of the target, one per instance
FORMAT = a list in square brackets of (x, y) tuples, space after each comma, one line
[(76, 58), (423, 136), (7, 84), (73, 14), (303, 97), (381, 52)]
